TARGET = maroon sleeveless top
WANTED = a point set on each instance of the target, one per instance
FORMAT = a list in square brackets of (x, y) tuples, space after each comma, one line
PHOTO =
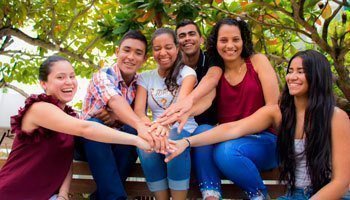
[(39, 160), (242, 100)]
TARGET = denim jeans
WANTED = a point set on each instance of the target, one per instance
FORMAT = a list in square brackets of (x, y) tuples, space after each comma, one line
[(160, 175), (239, 160), (298, 194), (110, 164)]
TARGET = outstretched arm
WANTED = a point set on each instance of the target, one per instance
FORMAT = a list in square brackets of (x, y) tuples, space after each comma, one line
[(123, 110), (197, 109), (339, 183), (260, 120), (57, 120), (205, 86)]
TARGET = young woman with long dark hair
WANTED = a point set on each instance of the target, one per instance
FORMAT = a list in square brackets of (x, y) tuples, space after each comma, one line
[(314, 135), (158, 89)]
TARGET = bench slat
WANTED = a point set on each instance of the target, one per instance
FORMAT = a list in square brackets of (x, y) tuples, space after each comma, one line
[(82, 183)]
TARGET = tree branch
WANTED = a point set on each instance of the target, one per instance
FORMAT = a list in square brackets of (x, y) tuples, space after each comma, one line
[(91, 44), (301, 9), (20, 91), (328, 21), (44, 44), (246, 16), (311, 28), (76, 17), (51, 33), (343, 3), (7, 42), (275, 8)]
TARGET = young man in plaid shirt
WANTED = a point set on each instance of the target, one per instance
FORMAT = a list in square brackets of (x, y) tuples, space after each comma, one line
[(113, 89)]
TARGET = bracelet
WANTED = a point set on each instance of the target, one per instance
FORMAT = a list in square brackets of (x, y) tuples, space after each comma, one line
[(188, 141), (62, 197)]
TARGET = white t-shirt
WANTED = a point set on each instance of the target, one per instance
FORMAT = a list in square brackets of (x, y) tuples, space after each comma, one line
[(159, 97)]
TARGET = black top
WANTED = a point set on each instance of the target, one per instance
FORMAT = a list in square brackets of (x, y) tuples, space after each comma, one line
[(203, 64)]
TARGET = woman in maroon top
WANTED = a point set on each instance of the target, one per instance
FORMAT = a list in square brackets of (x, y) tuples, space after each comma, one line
[(39, 164), (248, 82)]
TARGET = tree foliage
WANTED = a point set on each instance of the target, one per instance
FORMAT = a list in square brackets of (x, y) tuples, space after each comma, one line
[(88, 31)]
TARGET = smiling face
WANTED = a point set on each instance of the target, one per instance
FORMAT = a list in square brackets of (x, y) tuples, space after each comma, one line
[(164, 51), (131, 55), (61, 82), (296, 78), (189, 39), (229, 43)]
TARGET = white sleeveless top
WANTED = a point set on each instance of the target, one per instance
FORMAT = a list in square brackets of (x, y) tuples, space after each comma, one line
[(302, 177)]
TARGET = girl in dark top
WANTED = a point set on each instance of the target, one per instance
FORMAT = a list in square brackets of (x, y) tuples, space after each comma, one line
[(39, 164)]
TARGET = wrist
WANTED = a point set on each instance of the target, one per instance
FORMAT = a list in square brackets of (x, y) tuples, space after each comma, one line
[(61, 197), (188, 142)]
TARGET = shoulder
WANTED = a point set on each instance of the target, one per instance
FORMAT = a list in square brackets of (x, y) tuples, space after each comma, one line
[(340, 116), (340, 123), (147, 74), (261, 63), (258, 59), (187, 70)]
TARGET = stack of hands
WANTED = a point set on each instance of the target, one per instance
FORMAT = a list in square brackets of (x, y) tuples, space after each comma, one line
[(154, 136)]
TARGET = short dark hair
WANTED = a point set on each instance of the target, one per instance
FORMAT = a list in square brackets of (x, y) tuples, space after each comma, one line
[(186, 22), (135, 34), (246, 35), (45, 67)]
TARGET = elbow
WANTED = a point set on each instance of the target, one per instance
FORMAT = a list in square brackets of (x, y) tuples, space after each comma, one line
[(86, 129)]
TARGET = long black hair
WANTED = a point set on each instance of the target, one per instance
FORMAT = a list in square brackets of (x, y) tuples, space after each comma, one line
[(246, 36), (170, 79), (317, 123)]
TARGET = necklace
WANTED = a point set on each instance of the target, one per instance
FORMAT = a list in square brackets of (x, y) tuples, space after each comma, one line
[(163, 101)]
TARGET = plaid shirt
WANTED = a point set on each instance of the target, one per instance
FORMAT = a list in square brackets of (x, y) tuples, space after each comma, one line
[(103, 86)]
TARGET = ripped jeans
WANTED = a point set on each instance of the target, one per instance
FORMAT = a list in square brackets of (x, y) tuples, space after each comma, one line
[(239, 160)]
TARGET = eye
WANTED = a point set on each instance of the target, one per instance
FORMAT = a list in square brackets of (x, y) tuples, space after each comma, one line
[(182, 35), (72, 76), (156, 48)]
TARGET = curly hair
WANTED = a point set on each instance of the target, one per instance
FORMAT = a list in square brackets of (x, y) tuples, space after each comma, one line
[(317, 123), (246, 36), (170, 79)]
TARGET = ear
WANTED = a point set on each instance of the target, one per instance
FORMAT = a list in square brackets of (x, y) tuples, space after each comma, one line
[(116, 51), (145, 58), (201, 40), (43, 85)]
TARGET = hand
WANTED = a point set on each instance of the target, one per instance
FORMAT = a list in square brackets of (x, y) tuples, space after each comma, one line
[(142, 131), (107, 117), (143, 144), (177, 147), (179, 108), (160, 143), (174, 118), (160, 130), (160, 134)]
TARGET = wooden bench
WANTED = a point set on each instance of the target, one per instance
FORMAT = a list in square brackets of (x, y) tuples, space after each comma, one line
[(136, 187)]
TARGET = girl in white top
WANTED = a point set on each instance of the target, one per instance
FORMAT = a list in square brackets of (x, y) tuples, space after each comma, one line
[(158, 89), (314, 134)]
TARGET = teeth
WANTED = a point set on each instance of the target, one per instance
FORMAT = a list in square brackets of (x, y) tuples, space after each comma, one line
[(67, 90)]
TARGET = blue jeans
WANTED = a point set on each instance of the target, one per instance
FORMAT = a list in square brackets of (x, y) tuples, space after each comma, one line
[(110, 164), (160, 175), (239, 160), (298, 194)]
